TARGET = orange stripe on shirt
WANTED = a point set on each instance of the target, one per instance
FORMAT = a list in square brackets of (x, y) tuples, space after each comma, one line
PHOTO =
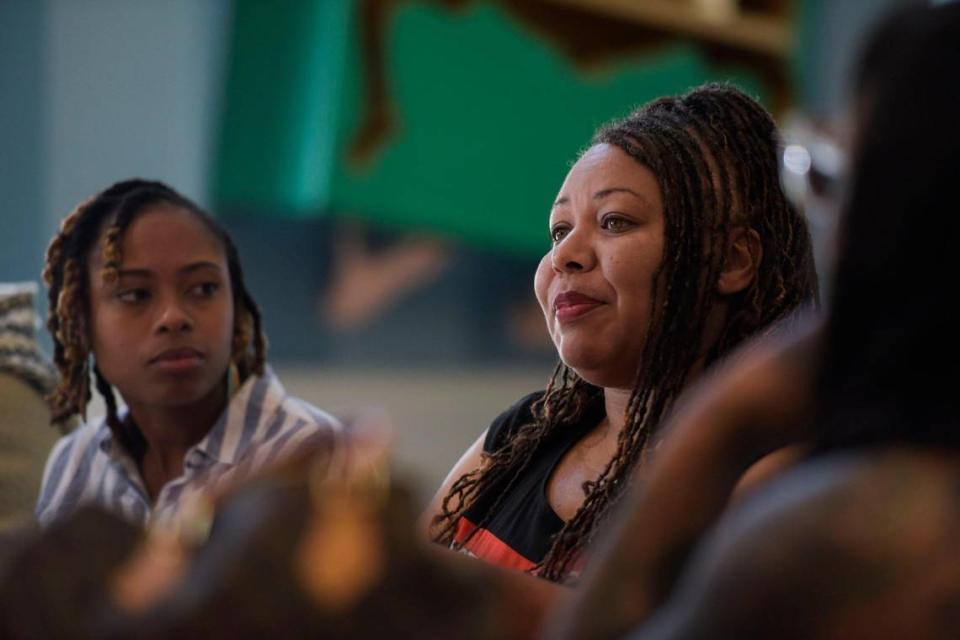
[(490, 548)]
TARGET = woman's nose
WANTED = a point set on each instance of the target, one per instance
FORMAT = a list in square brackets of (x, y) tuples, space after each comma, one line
[(575, 252), (173, 317)]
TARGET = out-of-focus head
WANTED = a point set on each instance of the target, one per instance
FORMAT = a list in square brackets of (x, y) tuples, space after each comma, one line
[(890, 354)]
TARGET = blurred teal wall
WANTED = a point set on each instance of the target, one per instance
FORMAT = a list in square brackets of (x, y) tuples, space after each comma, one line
[(96, 91), (22, 110)]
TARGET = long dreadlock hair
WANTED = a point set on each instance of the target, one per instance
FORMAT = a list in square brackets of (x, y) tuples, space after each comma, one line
[(109, 214), (714, 153)]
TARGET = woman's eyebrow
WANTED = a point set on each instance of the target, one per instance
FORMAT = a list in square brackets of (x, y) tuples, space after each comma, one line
[(199, 266), (134, 273), (143, 272), (644, 200), (603, 193)]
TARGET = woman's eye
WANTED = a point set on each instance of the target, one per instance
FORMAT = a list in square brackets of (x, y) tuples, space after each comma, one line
[(133, 296), (616, 224), (558, 233), (205, 289)]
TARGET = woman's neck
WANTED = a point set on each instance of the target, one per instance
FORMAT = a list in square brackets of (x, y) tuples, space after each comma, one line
[(615, 402), (170, 432)]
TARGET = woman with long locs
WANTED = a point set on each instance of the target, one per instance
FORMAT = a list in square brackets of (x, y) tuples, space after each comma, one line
[(672, 243)]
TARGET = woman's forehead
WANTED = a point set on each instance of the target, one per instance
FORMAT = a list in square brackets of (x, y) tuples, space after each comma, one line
[(161, 232), (607, 163)]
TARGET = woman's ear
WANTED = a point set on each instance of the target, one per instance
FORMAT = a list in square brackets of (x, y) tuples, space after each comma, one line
[(743, 255)]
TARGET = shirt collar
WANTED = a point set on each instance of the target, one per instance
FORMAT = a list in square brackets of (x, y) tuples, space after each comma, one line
[(243, 422), (245, 419)]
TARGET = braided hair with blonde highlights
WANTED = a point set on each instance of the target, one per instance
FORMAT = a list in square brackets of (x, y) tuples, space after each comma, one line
[(108, 215), (713, 152)]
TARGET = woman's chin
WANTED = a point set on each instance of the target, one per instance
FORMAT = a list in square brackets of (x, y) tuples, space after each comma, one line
[(597, 372)]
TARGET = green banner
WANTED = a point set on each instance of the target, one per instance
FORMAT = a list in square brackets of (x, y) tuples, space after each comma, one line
[(485, 116)]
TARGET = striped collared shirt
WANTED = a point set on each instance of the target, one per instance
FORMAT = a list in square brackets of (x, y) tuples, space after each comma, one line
[(260, 425)]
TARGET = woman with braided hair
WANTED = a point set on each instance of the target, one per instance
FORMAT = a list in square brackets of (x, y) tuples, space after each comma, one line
[(672, 243), (147, 292)]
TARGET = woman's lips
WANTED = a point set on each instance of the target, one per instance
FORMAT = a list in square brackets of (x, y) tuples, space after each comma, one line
[(571, 305), (180, 360)]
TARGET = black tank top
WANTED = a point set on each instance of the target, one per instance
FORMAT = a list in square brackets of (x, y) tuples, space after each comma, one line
[(519, 533)]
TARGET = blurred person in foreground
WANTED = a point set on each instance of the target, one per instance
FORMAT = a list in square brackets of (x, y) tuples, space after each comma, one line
[(312, 547)]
